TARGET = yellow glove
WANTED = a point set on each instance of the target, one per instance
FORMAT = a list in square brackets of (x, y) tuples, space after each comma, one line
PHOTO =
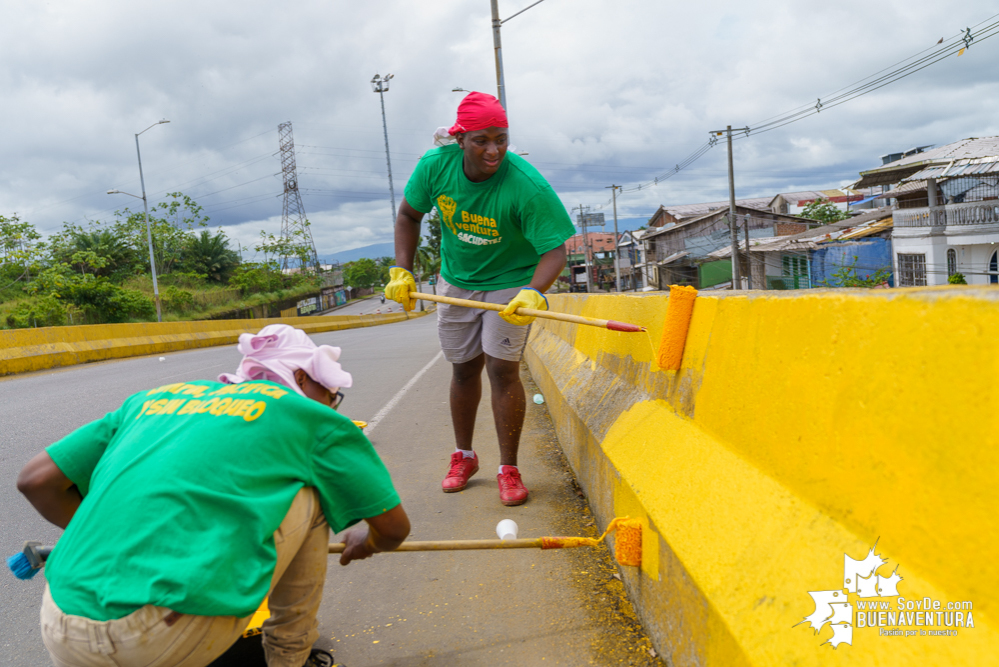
[(401, 283), (526, 298)]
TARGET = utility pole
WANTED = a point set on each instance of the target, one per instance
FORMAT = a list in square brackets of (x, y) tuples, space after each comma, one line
[(617, 268), (145, 208), (380, 85), (498, 47), (586, 248), (732, 224), (749, 257)]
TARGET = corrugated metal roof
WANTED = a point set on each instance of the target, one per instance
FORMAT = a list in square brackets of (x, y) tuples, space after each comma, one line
[(683, 211), (962, 168), (675, 256), (905, 188), (866, 224), (983, 149), (868, 230)]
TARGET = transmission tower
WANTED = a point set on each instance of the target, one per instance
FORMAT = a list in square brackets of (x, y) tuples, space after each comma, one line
[(294, 226)]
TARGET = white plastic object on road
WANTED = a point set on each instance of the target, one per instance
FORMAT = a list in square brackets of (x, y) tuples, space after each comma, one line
[(539, 399), (162, 358), (507, 529)]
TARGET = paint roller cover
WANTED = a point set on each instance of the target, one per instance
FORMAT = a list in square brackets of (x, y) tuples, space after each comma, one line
[(678, 312), (628, 543)]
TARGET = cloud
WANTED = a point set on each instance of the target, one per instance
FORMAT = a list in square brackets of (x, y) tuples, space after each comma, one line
[(598, 94)]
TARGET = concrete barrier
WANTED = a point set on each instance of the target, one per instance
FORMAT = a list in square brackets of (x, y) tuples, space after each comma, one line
[(24, 350), (801, 429)]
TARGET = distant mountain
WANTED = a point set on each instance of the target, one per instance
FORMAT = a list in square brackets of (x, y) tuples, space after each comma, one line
[(373, 251)]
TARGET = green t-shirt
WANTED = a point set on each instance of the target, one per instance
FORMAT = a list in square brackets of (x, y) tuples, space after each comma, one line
[(184, 486), (492, 233)]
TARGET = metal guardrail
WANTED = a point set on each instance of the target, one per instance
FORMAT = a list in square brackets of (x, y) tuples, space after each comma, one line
[(971, 213)]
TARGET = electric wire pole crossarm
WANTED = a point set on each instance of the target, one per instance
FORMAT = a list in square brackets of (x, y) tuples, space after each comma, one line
[(736, 273), (145, 206)]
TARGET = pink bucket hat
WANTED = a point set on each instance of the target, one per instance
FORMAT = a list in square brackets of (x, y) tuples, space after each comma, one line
[(278, 351)]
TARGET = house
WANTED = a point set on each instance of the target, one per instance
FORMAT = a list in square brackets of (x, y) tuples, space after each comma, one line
[(819, 257), (946, 217), (593, 254), (679, 253), (793, 203), (672, 215), (631, 260)]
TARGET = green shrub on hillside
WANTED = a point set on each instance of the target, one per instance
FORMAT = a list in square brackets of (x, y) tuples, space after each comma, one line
[(177, 300), (38, 311)]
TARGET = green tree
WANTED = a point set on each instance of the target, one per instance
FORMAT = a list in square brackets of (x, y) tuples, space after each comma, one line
[(253, 277), (21, 249), (824, 211), (298, 248), (100, 300), (103, 241), (209, 255), (424, 261), (434, 234), (361, 273), (171, 223)]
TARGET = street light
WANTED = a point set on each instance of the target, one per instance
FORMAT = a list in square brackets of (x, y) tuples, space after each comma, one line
[(380, 85), (145, 206)]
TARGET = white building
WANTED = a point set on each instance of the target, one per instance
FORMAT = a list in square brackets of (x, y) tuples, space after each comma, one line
[(947, 212)]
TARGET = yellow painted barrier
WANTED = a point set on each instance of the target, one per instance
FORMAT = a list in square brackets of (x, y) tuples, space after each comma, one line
[(800, 430), (24, 350)]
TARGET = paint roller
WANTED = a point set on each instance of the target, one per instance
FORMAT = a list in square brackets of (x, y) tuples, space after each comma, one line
[(679, 311), (627, 545)]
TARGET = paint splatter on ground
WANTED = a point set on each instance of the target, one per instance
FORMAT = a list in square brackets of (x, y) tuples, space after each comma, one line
[(624, 640)]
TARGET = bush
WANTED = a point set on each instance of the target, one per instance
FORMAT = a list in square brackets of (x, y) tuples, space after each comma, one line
[(38, 311), (105, 302), (957, 279), (177, 300), (253, 277)]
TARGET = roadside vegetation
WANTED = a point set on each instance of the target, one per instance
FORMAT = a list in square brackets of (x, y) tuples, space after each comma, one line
[(99, 273)]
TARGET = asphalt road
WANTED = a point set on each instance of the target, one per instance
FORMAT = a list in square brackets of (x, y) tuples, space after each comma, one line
[(369, 306), (520, 607)]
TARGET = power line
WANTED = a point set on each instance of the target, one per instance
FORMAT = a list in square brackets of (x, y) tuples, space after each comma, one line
[(954, 46)]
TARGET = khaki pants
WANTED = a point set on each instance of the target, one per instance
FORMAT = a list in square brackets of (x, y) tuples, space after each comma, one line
[(143, 638)]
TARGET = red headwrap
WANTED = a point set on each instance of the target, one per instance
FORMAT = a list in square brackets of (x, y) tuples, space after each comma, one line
[(477, 112)]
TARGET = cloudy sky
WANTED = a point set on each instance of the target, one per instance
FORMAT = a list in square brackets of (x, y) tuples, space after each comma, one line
[(598, 93)]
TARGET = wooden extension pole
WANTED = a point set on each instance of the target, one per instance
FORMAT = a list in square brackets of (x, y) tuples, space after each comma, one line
[(456, 545), (613, 325)]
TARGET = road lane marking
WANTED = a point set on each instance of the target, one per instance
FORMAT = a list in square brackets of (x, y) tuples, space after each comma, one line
[(374, 421)]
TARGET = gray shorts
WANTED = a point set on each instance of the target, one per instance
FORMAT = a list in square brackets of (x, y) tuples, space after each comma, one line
[(465, 333)]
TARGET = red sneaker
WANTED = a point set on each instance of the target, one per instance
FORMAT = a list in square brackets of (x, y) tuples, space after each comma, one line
[(461, 469), (512, 491)]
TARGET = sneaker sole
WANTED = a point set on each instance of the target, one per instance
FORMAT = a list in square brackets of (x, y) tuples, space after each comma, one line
[(514, 503), (456, 489)]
